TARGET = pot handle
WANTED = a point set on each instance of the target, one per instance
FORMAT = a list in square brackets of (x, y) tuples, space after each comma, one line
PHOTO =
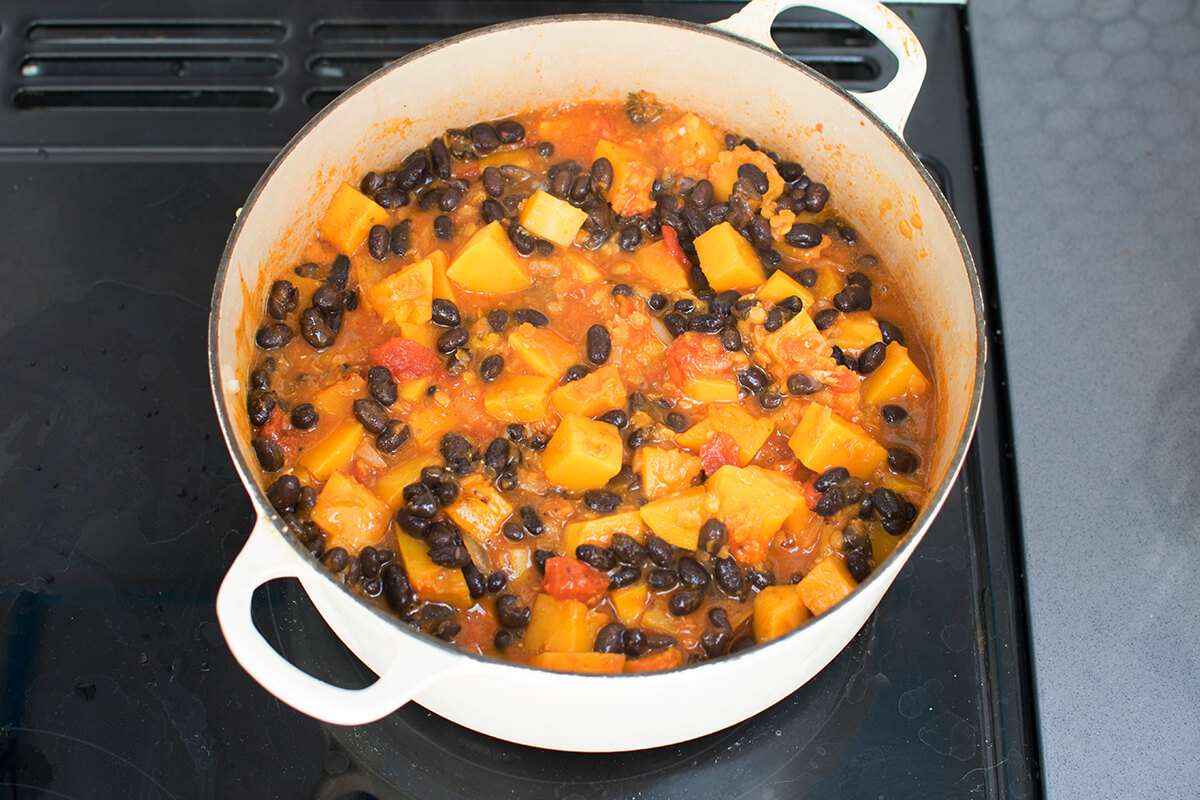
[(266, 557), (893, 102)]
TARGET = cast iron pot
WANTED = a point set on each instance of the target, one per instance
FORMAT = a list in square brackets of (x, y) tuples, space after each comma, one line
[(730, 72)]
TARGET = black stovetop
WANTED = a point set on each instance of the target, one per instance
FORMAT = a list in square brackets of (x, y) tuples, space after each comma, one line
[(127, 142)]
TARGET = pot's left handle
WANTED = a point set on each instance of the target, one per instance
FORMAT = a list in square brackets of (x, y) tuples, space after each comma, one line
[(892, 103), (266, 557)]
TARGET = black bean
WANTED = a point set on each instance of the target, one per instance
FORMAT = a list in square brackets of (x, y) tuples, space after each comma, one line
[(575, 373), (452, 198), (379, 241), (887, 503), (496, 457), (803, 235), (852, 298), (284, 493), (599, 344), (656, 302), (444, 313), (491, 367), (893, 415), (381, 385), (531, 315), (512, 531), (859, 279), (600, 558), (627, 550), (259, 405), (392, 197), (774, 320), (661, 579), (560, 183), (858, 566), (661, 552), (497, 319), (792, 304), (580, 187), (676, 422), (715, 643), (396, 588), (890, 333), (339, 272), (449, 555), (685, 601), (315, 330), (615, 417), (545, 149), (713, 536), (282, 300), (831, 502), (753, 380), (602, 174), (393, 436), (691, 573), (824, 319), (372, 564), (443, 228), (452, 340), (538, 442), (770, 400), (676, 323), (731, 339), (870, 359), (493, 181), (601, 500), (399, 240), (609, 639), (706, 323), (327, 299), (446, 492), (414, 171), (336, 559), (629, 238), (260, 378), (491, 210), (371, 414), (371, 183), (504, 638), (638, 437), (509, 611), (815, 197), (729, 576), (476, 580), (830, 478), (530, 520), (422, 504), (496, 582), (484, 137), (507, 481), (635, 643), (273, 336), (895, 525)]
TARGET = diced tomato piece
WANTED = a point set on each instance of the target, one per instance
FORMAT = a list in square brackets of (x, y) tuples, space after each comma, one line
[(280, 431), (671, 240), (694, 355), (719, 451), (405, 359), (274, 425), (811, 495), (842, 382), (571, 579)]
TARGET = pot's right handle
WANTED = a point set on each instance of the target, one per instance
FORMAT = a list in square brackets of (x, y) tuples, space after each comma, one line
[(267, 556), (893, 102)]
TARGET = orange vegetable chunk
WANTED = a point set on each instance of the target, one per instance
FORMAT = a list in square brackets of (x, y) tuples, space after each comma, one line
[(595, 663), (480, 509), (778, 610), (666, 659), (825, 584), (518, 398), (824, 440), (728, 260), (334, 452), (753, 502), (349, 217), (488, 264), (582, 454), (591, 395), (665, 471), (544, 215), (678, 518), (431, 582), (561, 626), (600, 530), (350, 513), (896, 377), (544, 351)]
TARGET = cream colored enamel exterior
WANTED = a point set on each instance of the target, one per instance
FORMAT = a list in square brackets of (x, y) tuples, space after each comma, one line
[(875, 181)]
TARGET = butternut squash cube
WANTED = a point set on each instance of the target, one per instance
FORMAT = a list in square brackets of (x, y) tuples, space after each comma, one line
[(488, 264), (629, 601), (518, 158), (710, 388), (778, 610), (582, 454), (334, 452), (664, 659), (337, 399), (750, 432), (350, 513), (442, 288), (421, 333), (555, 220), (591, 395), (854, 332), (795, 340), (405, 296), (632, 179), (349, 217), (829, 282), (722, 173), (656, 264), (825, 584), (411, 390), (543, 351), (562, 626), (665, 471), (390, 485), (824, 440), (599, 531), (518, 398), (693, 141), (781, 286), (728, 260), (753, 502), (431, 582), (678, 518), (592, 663), (480, 509), (896, 377), (428, 423)]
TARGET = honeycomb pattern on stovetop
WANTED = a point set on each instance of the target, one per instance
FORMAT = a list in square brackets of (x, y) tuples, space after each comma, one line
[(1091, 114)]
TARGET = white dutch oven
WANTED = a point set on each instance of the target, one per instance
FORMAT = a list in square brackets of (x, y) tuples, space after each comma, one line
[(730, 72)]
